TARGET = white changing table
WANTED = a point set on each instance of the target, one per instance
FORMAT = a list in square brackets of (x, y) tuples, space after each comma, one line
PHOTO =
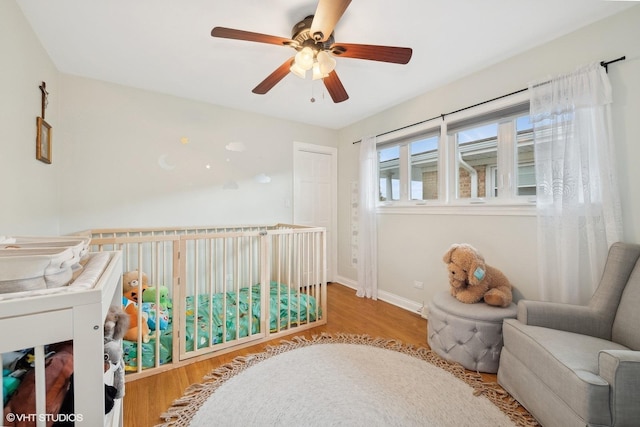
[(77, 313)]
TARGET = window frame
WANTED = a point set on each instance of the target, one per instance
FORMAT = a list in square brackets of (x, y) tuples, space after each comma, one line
[(508, 202), (403, 140)]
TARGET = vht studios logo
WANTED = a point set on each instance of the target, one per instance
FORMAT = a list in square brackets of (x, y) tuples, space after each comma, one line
[(55, 418)]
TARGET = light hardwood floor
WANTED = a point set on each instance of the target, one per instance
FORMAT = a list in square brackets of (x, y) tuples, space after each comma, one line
[(148, 397)]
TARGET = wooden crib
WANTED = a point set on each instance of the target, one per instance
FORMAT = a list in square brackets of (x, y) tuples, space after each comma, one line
[(228, 288)]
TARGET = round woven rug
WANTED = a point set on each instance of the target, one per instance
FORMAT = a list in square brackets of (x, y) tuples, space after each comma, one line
[(345, 380)]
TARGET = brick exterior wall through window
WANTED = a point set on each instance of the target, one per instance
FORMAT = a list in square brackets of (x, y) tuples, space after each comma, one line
[(465, 182)]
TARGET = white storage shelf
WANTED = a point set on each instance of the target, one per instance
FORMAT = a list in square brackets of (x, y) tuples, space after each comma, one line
[(74, 315)]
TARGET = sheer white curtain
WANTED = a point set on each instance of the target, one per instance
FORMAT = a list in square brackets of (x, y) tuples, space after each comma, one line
[(367, 227), (578, 204)]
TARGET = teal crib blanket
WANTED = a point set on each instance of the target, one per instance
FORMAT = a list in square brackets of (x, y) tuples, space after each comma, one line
[(230, 315)]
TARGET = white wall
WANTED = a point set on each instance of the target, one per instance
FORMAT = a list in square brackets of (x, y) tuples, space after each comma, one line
[(108, 139), (411, 246), (120, 138), (29, 190), (109, 143)]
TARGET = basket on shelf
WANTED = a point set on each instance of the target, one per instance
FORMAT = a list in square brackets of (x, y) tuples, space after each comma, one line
[(38, 262)]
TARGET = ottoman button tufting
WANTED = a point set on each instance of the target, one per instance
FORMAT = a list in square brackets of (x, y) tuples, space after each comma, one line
[(474, 331)]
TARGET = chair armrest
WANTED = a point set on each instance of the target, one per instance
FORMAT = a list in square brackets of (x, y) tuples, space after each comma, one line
[(578, 319), (621, 369)]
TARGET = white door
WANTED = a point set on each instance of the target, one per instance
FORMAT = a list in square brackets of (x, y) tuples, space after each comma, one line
[(315, 189)]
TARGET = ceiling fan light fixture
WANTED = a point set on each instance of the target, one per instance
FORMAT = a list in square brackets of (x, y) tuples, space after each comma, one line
[(304, 58), (298, 70), (317, 51), (317, 72), (326, 62)]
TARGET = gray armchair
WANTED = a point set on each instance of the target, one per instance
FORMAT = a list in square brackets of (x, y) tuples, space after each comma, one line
[(580, 365)]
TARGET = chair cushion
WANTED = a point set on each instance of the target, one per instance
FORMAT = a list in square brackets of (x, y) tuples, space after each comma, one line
[(567, 363)]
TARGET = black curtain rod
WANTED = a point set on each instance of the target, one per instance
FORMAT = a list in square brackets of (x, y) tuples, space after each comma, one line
[(604, 64)]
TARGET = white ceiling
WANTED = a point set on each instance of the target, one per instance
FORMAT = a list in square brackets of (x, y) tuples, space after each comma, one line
[(166, 46)]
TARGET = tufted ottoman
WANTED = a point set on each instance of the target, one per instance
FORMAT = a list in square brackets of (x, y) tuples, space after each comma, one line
[(470, 334)]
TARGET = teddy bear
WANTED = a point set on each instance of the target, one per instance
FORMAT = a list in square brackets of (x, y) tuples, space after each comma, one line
[(130, 285), (134, 283), (131, 308), (472, 280)]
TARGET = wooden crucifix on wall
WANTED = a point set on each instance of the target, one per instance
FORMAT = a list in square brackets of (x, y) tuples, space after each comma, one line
[(45, 98), (43, 131)]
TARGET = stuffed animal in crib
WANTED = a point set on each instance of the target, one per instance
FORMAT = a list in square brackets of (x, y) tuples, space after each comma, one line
[(131, 308), (149, 297), (131, 287), (152, 292), (156, 319), (472, 280)]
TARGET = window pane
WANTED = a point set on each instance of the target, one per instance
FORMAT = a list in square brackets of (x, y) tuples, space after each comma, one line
[(526, 180), (526, 161), (424, 169), (523, 123), (389, 173), (477, 133), (477, 161)]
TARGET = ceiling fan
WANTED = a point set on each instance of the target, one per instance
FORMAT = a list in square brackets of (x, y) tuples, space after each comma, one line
[(316, 48)]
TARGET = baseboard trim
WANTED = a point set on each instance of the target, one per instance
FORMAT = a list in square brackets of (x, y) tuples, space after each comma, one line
[(398, 301)]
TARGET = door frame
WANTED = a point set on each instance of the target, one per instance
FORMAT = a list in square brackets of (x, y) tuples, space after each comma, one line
[(332, 238)]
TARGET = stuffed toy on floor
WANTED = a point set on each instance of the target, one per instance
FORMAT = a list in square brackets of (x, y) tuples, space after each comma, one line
[(472, 280)]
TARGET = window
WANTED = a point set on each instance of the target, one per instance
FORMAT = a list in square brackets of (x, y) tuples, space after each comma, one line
[(484, 163), (389, 173), (424, 168), (481, 156), (526, 165), (476, 161), (414, 157)]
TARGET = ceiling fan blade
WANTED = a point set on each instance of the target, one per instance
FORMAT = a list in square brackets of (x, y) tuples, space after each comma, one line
[(335, 88), (327, 15), (230, 33), (273, 78), (396, 55)]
